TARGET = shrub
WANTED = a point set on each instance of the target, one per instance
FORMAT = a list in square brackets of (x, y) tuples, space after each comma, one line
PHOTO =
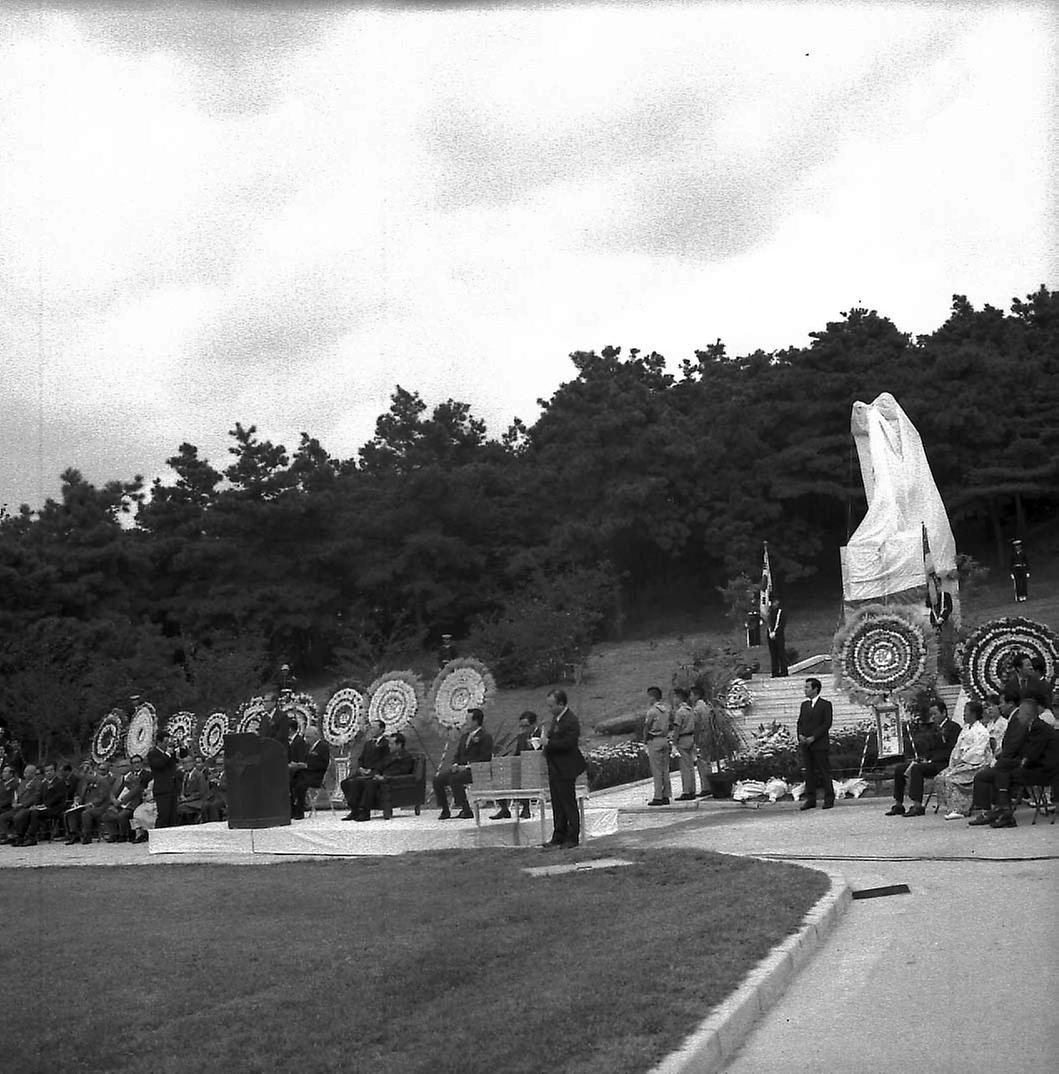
[(616, 763)]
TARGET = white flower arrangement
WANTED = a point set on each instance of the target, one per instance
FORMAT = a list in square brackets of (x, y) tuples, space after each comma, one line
[(462, 684), (394, 699)]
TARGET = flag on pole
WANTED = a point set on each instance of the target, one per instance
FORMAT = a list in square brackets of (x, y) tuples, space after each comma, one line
[(765, 598)]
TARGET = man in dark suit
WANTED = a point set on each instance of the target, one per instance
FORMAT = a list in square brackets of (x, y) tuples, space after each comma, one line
[(15, 821), (51, 807), (814, 745), (777, 626), (163, 765), (128, 794), (474, 745), (565, 764), (1024, 682), (193, 788), (371, 756), (529, 732), (932, 743), (279, 725), (1026, 744), (310, 771), (396, 762)]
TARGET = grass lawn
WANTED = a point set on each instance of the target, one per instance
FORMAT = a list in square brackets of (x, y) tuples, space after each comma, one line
[(447, 962)]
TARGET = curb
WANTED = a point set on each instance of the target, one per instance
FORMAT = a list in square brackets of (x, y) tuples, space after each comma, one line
[(717, 1039)]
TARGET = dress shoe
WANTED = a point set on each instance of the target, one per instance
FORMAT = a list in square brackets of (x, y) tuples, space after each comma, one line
[(659, 801), (350, 816), (73, 839), (568, 845), (896, 810), (550, 846), (807, 804), (983, 818), (387, 814), (28, 843), (706, 794), (362, 817), (684, 797), (503, 814), (465, 814), (86, 841), (915, 810), (297, 816), (1005, 820), (444, 815), (830, 804)]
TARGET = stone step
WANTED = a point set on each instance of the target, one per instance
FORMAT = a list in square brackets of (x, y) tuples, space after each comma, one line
[(779, 700)]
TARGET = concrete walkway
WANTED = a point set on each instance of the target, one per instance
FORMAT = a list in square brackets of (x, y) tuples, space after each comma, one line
[(960, 975)]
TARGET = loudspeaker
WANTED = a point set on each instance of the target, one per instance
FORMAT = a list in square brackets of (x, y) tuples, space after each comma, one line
[(258, 782)]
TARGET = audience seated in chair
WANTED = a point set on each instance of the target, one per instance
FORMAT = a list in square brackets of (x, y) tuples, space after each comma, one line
[(46, 813), (354, 787), (191, 800), (127, 794), (217, 792), (1025, 744), (8, 790), (91, 802), (933, 739), (527, 740), (309, 771), (28, 795), (397, 765), (971, 752), (144, 817), (474, 745), (1037, 771)]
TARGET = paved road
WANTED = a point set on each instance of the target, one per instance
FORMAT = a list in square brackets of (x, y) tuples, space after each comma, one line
[(961, 975)]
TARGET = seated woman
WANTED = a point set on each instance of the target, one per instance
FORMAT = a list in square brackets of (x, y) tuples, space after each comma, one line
[(971, 752)]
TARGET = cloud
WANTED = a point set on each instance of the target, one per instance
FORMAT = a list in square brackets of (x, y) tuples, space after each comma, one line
[(456, 200)]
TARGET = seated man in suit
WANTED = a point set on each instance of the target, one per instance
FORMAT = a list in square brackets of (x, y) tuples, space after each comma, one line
[(933, 740), (8, 790), (51, 807), (355, 786), (527, 740), (397, 761), (192, 798), (1025, 744), (91, 802), (217, 792), (127, 794), (1038, 768), (27, 797), (309, 772), (474, 745), (1024, 682)]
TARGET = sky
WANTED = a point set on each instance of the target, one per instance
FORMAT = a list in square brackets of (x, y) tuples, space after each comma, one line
[(275, 214)]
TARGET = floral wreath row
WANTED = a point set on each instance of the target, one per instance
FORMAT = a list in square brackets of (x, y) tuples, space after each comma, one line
[(396, 698)]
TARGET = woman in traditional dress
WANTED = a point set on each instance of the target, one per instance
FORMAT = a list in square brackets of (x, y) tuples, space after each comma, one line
[(971, 752)]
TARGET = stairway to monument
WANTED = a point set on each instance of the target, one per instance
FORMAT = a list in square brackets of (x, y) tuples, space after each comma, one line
[(778, 700)]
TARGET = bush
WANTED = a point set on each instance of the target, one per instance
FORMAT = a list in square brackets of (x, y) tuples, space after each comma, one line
[(617, 763)]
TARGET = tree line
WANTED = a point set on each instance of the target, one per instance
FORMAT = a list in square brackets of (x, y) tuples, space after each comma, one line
[(633, 482)]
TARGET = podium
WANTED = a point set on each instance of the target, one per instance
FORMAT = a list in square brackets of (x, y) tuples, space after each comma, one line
[(258, 782)]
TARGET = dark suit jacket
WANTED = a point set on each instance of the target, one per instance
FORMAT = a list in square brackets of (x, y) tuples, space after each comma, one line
[(481, 749), (1032, 686), (53, 796), (317, 758), (398, 762), (278, 726), (30, 792), (372, 755), (816, 720), (7, 793), (193, 788), (522, 741), (163, 770), (565, 760), (946, 734), (297, 749)]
